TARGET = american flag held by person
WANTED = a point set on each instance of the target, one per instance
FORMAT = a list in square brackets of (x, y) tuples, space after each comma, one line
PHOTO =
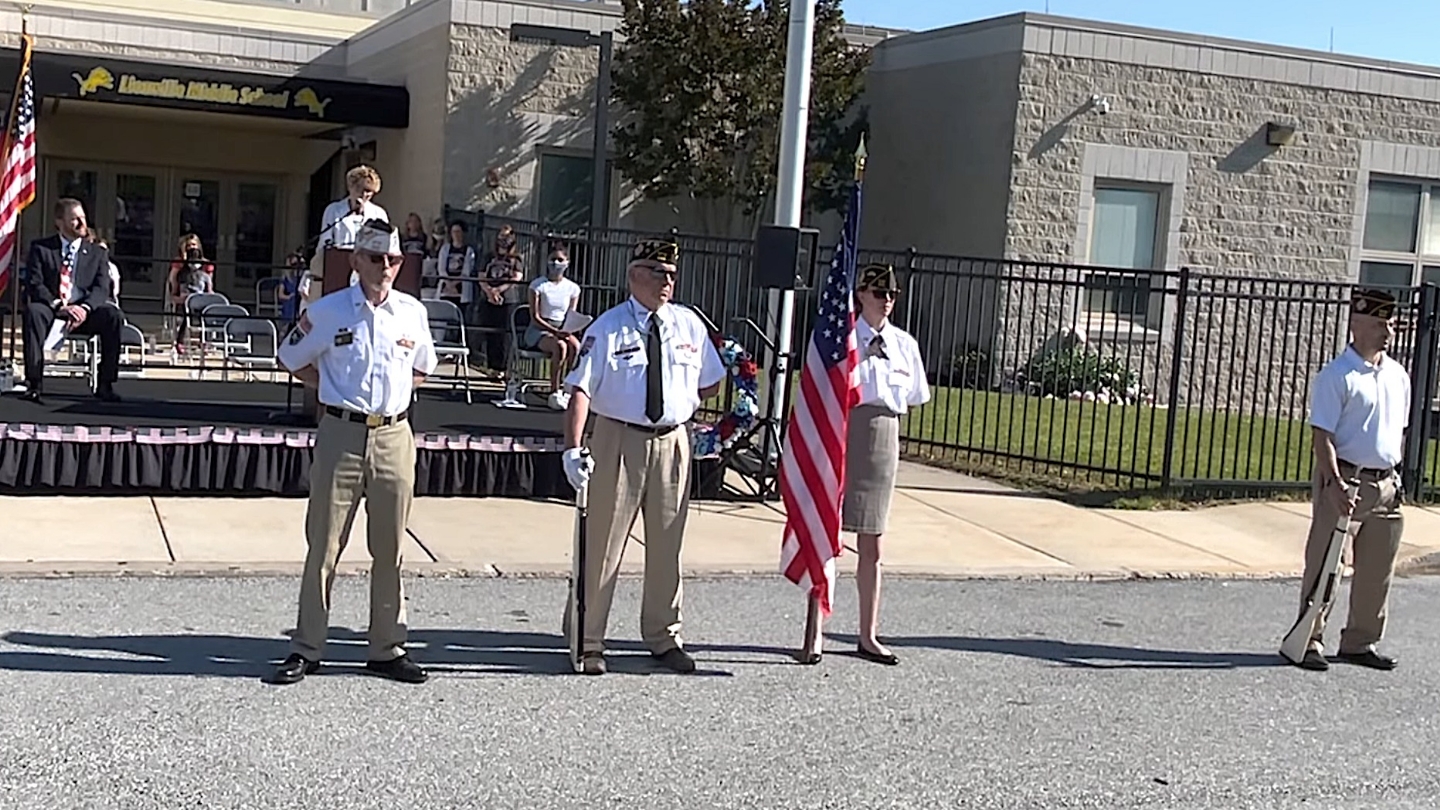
[(812, 467), (17, 184)]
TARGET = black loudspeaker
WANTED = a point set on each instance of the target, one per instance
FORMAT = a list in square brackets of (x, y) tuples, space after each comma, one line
[(785, 257)]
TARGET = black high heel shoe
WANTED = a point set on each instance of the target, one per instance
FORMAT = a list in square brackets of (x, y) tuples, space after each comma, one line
[(888, 659)]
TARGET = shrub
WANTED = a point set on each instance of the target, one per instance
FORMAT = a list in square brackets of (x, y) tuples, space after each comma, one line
[(1078, 373)]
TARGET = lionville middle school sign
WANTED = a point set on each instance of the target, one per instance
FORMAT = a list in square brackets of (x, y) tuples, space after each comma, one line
[(343, 103), (99, 78)]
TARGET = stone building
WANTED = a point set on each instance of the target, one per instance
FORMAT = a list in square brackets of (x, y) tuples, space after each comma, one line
[(236, 119), (1041, 139)]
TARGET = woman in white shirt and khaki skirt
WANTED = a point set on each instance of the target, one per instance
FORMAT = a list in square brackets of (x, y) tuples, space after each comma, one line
[(892, 380)]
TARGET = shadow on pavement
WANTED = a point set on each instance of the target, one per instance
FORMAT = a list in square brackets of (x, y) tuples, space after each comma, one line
[(1078, 654), (465, 652)]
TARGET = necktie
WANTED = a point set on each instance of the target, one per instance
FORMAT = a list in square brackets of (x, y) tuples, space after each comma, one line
[(654, 396), (66, 257)]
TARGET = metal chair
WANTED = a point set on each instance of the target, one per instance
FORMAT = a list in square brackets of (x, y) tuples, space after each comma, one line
[(445, 320), (250, 343), (266, 300), (211, 325), (517, 386), (131, 340)]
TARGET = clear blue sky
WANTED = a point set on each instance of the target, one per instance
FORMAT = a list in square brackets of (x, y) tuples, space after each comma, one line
[(1398, 30)]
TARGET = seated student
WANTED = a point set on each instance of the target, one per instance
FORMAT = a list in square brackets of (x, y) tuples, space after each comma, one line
[(551, 299), (67, 278)]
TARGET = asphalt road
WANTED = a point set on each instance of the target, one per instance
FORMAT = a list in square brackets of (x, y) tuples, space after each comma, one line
[(146, 693)]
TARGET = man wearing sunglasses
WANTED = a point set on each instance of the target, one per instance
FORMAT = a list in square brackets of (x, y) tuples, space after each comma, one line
[(643, 368), (365, 349)]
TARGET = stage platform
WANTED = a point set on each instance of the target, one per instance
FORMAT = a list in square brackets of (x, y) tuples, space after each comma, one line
[(228, 438)]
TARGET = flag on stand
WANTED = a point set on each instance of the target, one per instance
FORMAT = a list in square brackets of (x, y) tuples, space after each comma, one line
[(812, 467), (17, 184)]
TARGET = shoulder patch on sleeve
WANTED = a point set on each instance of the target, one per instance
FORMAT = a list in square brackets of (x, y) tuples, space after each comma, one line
[(587, 345)]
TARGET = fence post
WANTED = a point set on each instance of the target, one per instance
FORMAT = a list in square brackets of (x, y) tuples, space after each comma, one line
[(1423, 380), (1177, 352)]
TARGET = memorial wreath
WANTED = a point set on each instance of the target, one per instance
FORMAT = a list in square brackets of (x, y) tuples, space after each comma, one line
[(711, 439)]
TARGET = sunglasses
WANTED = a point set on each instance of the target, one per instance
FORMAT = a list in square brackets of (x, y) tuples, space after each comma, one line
[(885, 295), (662, 274), (382, 258)]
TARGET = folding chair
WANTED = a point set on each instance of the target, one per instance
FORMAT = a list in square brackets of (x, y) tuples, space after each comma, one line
[(132, 340), (445, 319), (516, 385), (250, 343)]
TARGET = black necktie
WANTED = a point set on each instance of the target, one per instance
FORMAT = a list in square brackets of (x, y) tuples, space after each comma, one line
[(654, 398)]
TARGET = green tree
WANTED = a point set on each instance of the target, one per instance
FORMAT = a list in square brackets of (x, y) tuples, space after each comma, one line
[(702, 86)]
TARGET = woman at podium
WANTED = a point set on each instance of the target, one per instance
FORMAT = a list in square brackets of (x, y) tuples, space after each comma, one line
[(341, 222)]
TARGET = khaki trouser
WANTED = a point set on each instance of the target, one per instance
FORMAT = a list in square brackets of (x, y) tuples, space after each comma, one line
[(635, 472), (352, 461), (1375, 529)]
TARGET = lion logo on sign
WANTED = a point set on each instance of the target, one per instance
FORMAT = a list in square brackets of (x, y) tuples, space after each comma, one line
[(305, 97), (99, 79)]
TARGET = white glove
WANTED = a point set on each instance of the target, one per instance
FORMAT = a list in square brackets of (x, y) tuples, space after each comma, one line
[(578, 466)]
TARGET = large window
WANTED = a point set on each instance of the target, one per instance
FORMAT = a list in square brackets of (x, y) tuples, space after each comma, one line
[(1401, 246), (566, 189), (1124, 234)]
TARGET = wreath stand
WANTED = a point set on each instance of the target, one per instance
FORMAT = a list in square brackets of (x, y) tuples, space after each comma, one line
[(753, 448)]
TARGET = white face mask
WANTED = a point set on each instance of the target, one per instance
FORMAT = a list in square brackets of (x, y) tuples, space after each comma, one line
[(558, 268)]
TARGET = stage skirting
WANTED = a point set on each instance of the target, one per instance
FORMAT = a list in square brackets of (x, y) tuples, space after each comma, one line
[(78, 459), (74, 459)]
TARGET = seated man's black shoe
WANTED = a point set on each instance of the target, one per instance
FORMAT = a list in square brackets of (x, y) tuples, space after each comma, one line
[(294, 669), (399, 669), (676, 659), (1369, 658), (1314, 661), (107, 394), (33, 396)]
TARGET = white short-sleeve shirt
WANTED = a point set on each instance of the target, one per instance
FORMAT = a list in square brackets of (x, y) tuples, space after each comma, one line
[(341, 226), (611, 368), (367, 355), (555, 297), (891, 371), (1366, 406)]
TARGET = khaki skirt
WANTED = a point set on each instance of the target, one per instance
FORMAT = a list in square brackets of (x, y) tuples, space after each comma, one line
[(872, 455)]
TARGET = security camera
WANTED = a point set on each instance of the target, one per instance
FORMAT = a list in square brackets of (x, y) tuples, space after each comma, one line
[(1100, 104)]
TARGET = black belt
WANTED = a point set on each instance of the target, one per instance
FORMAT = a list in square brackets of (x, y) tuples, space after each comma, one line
[(652, 430), (1368, 472), (368, 420)]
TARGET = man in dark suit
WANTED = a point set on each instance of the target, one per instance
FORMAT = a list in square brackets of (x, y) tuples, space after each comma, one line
[(67, 277)]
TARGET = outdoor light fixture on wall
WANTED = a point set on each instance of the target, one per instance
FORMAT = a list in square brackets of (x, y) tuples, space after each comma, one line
[(1279, 134)]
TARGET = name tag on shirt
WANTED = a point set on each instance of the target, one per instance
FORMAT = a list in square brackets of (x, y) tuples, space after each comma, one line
[(405, 343), (344, 338)]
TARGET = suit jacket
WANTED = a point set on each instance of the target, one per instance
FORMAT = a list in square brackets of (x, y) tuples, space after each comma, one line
[(90, 275)]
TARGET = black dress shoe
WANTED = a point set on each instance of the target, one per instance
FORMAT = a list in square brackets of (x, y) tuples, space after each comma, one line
[(1369, 658), (676, 659), (1314, 661), (294, 669), (399, 669), (32, 396), (888, 659), (809, 659), (107, 394)]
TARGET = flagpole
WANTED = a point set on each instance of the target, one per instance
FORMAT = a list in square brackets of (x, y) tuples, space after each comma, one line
[(13, 320), (810, 648)]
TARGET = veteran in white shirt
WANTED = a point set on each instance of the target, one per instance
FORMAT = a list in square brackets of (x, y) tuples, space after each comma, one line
[(643, 369), (1360, 410), (892, 380), (365, 349), (342, 221)]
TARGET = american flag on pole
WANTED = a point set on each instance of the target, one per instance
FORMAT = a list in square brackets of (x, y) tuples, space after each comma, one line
[(812, 467), (17, 184)]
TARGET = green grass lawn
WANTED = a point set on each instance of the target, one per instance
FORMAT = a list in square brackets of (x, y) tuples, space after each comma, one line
[(1091, 448)]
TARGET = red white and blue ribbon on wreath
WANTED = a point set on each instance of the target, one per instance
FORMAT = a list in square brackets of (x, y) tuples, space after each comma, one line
[(711, 439)]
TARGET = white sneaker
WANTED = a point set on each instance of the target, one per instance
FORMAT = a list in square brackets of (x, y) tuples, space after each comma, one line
[(559, 400)]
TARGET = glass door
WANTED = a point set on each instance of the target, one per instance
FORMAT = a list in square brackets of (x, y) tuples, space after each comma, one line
[(131, 232), (253, 233), (236, 219)]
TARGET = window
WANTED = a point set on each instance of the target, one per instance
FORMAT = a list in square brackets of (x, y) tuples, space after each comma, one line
[(1124, 234), (1401, 244), (566, 186)]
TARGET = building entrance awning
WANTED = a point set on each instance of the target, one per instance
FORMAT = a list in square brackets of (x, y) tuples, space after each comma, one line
[(149, 84)]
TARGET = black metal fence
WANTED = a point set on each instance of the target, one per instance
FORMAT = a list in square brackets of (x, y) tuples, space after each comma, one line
[(1083, 377)]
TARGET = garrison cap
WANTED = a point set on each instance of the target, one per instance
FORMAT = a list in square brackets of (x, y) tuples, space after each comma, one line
[(1375, 303), (878, 277), (655, 250)]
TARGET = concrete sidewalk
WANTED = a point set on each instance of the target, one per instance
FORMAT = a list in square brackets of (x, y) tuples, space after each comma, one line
[(943, 525)]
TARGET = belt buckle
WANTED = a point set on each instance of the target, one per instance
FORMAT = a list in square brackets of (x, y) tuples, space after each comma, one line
[(374, 421)]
